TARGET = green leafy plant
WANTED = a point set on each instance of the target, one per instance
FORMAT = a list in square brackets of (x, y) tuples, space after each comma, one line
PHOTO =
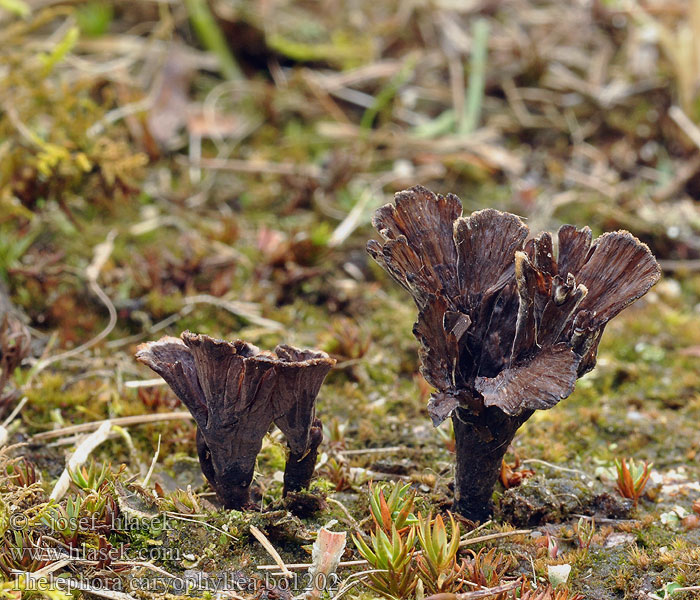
[(92, 477), (487, 568), (21, 586), (24, 550), (394, 510), (632, 477), (22, 473), (438, 566), (390, 560), (64, 520), (101, 509), (585, 530), (181, 501)]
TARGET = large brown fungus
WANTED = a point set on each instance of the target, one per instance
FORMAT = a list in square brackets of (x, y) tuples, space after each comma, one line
[(235, 392), (505, 327)]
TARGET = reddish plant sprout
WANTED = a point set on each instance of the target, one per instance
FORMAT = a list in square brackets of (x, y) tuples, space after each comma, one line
[(505, 325), (512, 475), (632, 478), (235, 392)]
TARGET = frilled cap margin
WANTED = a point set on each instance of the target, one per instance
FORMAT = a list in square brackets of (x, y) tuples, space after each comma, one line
[(235, 392), (504, 322)]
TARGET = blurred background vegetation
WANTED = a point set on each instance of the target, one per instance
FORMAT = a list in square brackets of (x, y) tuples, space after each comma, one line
[(214, 165)]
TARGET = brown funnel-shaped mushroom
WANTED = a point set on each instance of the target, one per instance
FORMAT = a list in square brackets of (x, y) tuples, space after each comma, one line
[(235, 392), (505, 327)]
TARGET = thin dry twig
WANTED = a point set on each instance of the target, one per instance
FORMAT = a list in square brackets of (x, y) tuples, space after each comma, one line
[(238, 309), (260, 536), (101, 254), (183, 415), (462, 543)]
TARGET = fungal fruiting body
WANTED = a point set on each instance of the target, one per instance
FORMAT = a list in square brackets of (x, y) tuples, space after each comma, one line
[(235, 392), (505, 327)]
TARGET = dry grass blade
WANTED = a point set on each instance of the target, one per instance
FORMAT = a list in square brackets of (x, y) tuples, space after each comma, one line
[(79, 458), (260, 536), (488, 593), (119, 421)]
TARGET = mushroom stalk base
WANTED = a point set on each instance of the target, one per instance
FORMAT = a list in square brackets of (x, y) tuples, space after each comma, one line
[(300, 467), (481, 443), (229, 490)]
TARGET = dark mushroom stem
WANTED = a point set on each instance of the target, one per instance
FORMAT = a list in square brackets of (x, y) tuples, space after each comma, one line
[(300, 465), (505, 326), (232, 486), (235, 392), (478, 463)]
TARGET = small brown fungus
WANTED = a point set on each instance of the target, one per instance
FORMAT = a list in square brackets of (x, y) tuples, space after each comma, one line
[(505, 326), (235, 392)]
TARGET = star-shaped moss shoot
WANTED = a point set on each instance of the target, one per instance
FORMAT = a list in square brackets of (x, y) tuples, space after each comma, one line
[(505, 326), (235, 392)]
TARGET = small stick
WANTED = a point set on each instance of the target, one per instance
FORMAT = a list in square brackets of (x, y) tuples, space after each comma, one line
[(236, 308), (258, 166), (101, 254), (153, 464), (260, 536), (355, 563), (139, 383), (120, 421), (493, 536), (388, 449), (485, 593), (4, 434), (687, 126), (179, 517)]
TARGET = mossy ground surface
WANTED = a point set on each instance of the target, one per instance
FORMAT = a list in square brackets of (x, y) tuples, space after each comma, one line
[(264, 241)]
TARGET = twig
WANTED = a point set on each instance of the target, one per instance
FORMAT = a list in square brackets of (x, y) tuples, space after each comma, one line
[(153, 464), (477, 76), (680, 265), (101, 254), (492, 536), (139, 383), (4, 434), (551, 466), (260, 536), (346, 512), (355, 217), (487, 593), (355, 563), (687, 126), (296, 566), (79, 457), (179, 517), (121, 421), (235, 308), (258, 166), (359, 578), (387, 450)]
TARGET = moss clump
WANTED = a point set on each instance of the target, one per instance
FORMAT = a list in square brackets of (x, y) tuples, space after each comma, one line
[(551, 500)]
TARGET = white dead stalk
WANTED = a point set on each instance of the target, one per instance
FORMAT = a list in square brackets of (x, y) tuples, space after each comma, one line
[(4, 433), (260, 536), (79, 458), (144, 484)]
